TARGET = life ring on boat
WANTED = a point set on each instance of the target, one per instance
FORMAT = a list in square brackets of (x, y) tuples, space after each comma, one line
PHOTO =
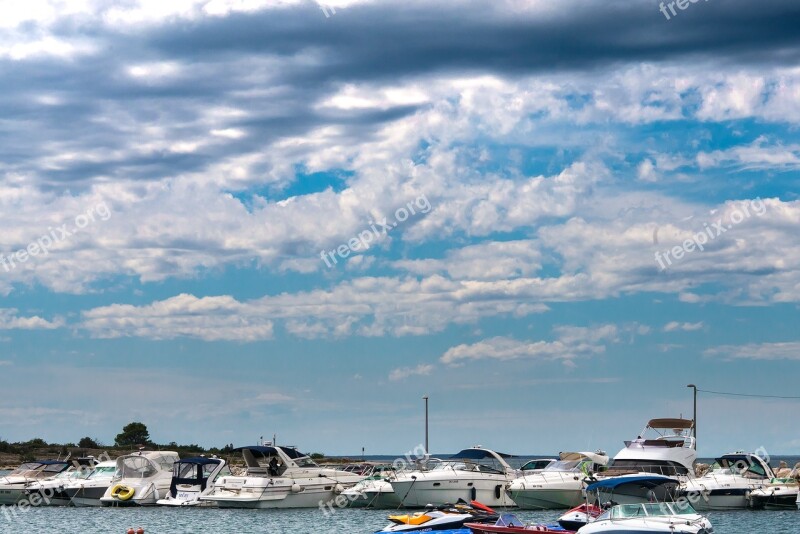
[(122, 492)]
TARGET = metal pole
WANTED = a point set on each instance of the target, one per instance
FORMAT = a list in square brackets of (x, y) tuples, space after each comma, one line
[(694, 430), (427, 451)]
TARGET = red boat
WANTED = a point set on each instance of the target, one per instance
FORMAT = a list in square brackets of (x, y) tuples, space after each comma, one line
[(508, 523)]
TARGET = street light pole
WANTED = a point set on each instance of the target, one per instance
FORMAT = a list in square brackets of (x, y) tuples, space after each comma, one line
[(427, 452), (694, 431)]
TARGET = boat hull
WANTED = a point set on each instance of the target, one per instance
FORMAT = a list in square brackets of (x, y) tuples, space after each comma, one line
[(83, 496), (546, 499), (420, 493)]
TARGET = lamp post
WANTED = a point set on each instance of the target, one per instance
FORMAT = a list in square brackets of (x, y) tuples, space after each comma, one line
[(425, 398), (694, 430)]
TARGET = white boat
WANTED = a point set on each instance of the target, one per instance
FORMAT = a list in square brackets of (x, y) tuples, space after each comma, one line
[(191, 479), (665, 449), (472, 474), (51, 491), (375, 491), (729, 483), (140, 479), (14, 485), (281, 477), (779, 494), (89, 490), (559, 485), (666, 518)]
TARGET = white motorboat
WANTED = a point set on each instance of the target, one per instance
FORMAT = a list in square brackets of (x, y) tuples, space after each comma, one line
[(375, 491), (665, 449), (191, 479), (559, 485), (281, 477), (779, 494), (472, 474), (50, 491), (14, 486), (88, 491), (140, 479), (729, 483), (666, 518)]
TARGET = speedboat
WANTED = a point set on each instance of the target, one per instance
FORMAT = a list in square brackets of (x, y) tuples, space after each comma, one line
[(579, 516), (472, 474), (50, 491), (537, 465), (510, 524), (729, 483), (281, 477), (14, 485), (779, 494), (445, 517), (559, 485), (375, 491), (662, 517), (191, 479), (141, 478), (665, 449), (88, 491)]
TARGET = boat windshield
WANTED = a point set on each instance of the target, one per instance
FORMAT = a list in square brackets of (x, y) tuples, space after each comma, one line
[(191, 470), (135, 467), (538, 465), (466, 466), (740, 465), (564, 465), (102, 472), (658, 467), (658, 509)]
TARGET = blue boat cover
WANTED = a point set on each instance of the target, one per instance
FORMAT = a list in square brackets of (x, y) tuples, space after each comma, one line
[(611, 483)]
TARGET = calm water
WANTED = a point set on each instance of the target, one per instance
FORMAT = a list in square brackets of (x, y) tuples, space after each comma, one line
[(210, 520)]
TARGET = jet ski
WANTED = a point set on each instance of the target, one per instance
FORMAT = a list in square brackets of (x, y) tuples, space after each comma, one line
[(445, 517)]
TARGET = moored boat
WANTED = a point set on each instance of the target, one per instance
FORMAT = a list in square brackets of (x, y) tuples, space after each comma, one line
[(140, 479), (730, 482), (14, 486), (642, 518), (88, 491), (191, 479), (445, 517)]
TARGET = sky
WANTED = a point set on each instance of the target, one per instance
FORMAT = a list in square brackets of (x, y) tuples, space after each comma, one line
[(230, 219)]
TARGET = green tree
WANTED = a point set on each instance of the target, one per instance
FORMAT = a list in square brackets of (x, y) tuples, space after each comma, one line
[(133, 434), (89, 443)]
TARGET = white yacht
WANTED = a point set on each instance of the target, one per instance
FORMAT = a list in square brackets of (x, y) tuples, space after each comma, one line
[(87, 491), (472, 474), (560, 484), (662, 517), (729, 483), (141, 478), (665, 449), (14, 485), (280, 477), (50, 491), (192, 478), (779, 494)]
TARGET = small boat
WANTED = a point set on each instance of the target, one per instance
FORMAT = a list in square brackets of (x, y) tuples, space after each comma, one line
[(779, 494), (14, 485), (140, 479), (509, 524), (445, 517), (375, 491), (559, 485), (472, 474), (579, 516), (662, 517), (730, 482), (89, 490), (193, 478)]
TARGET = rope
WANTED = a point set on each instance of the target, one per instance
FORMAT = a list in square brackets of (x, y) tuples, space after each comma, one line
[(747, 395)]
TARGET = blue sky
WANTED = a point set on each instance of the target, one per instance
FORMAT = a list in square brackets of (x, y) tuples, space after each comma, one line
[(498, 181)]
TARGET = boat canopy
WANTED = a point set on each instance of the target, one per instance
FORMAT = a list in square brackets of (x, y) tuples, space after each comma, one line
[(200, 461), (597, 458), (682, 424), (615, 482), (294, 454), (192, 472), (476, 453)]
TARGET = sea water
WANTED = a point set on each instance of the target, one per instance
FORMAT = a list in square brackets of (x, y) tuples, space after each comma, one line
[(158, 520)]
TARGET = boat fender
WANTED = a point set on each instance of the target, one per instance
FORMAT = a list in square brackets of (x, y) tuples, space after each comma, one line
[(338, 488), (473, 493), (497, 491), (296, 488)]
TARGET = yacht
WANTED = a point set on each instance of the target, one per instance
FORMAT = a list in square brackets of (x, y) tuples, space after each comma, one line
[(14, 485), (779, 494), (87, 491), (659, 460), (729, 483), (140, 479), (472, 474), (50, 491), (662, 517), (375, 491), (192, 478), (560, 484), (280, 477)]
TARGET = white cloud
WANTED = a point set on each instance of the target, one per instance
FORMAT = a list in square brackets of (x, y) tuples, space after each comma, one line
[(686, 327), (402, 373), (10, 320), (758, 351)]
